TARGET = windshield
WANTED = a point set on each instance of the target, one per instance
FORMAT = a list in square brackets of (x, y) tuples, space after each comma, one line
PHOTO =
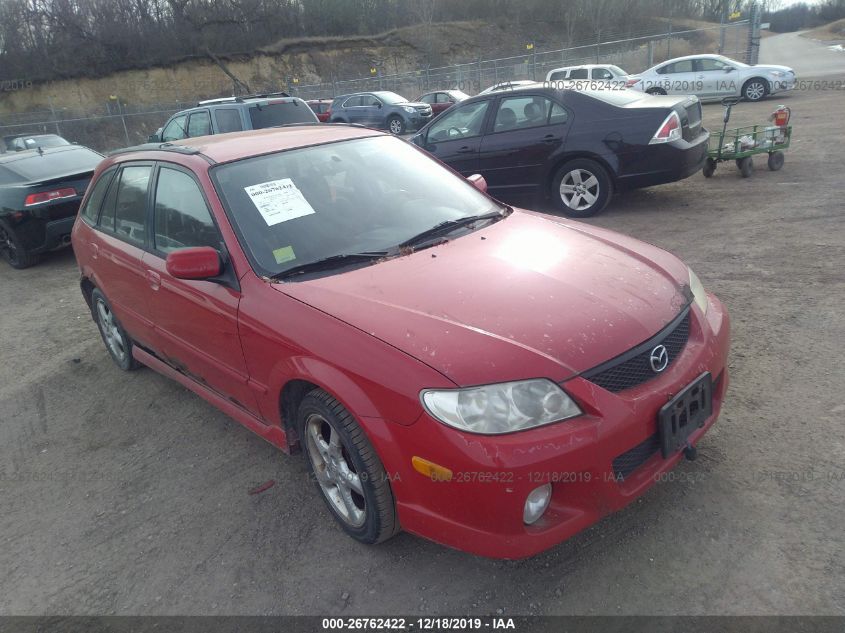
[(391, 98), (357, 196)]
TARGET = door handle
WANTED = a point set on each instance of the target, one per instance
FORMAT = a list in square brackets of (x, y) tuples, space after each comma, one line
[(154, 279), (465, 150), (551, 139), (95, 250)]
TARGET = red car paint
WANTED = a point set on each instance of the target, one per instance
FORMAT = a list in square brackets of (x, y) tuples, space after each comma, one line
[(529, 296)]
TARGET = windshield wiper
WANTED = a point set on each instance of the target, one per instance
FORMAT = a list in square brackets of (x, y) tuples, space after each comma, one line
[(448, 226), (327, 263)]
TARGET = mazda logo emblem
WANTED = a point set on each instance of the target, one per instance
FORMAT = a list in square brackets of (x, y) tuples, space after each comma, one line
[(659, 358)]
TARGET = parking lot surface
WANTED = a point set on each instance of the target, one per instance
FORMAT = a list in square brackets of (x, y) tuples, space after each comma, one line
[(125, 493)]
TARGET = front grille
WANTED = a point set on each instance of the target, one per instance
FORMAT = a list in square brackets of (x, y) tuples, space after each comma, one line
[(634, 367), (630, 460)]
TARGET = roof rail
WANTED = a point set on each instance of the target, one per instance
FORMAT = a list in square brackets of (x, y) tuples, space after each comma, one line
[(161, 147), (241, 98)]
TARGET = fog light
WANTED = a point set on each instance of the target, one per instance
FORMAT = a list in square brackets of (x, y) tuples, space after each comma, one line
[(536, 503)]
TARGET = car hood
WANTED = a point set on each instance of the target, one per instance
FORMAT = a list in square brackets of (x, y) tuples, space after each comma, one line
[(770, 67), (525, 297), (414, 104)]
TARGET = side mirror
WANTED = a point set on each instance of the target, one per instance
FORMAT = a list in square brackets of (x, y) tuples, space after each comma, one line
[(729, 69), (155, 138), (477, 181), (199, 262)]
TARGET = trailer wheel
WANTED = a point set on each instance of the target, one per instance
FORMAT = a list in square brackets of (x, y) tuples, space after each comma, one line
[(775, 160), (709, 168), (746, 166)]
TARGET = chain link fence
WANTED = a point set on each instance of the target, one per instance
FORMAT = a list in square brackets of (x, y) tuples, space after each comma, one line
[(116, 124), (633, 54)]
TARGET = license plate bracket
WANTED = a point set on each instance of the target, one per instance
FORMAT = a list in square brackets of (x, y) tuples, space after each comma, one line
[(685, 413)]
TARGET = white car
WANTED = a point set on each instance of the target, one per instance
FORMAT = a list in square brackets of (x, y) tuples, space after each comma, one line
[(508, 85), (600, 72), (712, 77)]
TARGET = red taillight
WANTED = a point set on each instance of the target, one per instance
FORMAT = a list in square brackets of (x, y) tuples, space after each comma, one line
[(632, 82), (48, 196), (669, 130)]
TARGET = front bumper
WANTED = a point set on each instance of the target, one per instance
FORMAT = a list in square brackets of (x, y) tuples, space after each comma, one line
[(417, 121), (480, 509)]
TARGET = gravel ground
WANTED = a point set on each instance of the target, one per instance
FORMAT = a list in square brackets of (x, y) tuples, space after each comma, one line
[(124, 493)]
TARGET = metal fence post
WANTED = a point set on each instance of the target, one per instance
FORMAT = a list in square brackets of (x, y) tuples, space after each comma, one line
[(123, 120), (650, 54), (669, 41)]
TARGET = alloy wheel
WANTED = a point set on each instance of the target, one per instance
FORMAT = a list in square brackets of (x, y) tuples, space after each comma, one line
[(755, 91), (396, 126), (579, 189), (111, 331), (335, 472)]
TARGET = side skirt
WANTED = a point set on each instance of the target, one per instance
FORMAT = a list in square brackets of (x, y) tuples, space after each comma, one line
[(272, 434)]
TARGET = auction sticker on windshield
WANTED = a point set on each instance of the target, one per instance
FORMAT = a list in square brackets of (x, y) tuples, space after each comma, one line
[(279, 201)]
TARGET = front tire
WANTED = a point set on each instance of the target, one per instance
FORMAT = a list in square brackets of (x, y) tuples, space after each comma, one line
[(117, 341), (347, 469), (396, 125), (709, 168), (581, 188), (12, 249), (755, 89)]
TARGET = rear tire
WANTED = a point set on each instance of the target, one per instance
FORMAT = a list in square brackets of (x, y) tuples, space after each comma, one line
[(581, 188), (755, 89), (396, 125), (117, 341), (709, 168), (13, 250), (746, 166), (775, 160), (346, 469)]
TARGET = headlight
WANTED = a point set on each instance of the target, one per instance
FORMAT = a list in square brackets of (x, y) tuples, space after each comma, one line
[(777, 73), (502, 408), (408, 109), (698, 292)]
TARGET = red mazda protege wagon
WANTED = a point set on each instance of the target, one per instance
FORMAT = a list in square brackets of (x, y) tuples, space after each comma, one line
[(493, 379)]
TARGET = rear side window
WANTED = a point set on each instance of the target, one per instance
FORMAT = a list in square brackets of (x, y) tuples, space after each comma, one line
[(558, 115), (427, 98), (578, 73), (199, 124), (353, 102), (130, 204), (522, 112), (228, 120), (92, 206), (182, 218), (684, 66), (558, 75), (280, 113)]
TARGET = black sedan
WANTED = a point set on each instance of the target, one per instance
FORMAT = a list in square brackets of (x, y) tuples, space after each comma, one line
[(575, 147), (40, 192)]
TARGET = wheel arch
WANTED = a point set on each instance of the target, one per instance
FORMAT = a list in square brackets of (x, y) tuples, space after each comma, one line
[(766, 84), (570, 156)]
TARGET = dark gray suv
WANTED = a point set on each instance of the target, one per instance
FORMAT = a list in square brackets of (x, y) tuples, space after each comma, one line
[(382, 109), (235, 114)]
